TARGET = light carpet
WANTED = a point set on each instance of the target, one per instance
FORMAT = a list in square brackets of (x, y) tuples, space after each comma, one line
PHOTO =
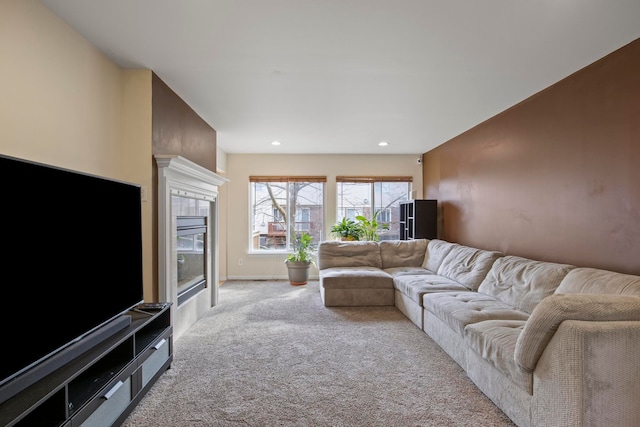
[(271, 354)]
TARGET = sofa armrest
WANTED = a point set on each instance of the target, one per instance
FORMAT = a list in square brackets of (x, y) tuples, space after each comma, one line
[(555, 309), (588, 376)]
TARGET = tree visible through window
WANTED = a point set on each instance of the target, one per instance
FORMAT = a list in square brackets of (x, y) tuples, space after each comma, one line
[(283, 208), (366, 195)]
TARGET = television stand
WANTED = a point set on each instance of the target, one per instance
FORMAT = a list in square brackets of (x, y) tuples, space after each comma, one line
[(102, 385)]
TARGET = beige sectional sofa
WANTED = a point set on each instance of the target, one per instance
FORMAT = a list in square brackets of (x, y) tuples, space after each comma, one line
[(550, 344)]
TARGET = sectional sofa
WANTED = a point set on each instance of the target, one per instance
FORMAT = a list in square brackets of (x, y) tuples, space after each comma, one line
[(550, 344)]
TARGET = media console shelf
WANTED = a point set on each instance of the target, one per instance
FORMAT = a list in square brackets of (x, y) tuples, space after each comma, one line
[(103, 385)]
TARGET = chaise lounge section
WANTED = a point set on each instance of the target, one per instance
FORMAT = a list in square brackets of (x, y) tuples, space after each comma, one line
[(551, 344)]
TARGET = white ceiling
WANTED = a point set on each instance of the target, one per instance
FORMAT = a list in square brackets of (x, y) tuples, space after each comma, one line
[(338, 76)]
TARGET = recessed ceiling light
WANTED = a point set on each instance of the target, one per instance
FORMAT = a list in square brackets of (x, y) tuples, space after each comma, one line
[(383, 143), (275, 142)]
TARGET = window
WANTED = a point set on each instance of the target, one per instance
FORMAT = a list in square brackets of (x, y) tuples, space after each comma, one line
[(303, 219), (282, 208), (367, 195), (350, 213), (385, 216)]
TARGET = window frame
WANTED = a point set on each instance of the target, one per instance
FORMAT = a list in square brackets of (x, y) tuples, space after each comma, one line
[(314, 225)]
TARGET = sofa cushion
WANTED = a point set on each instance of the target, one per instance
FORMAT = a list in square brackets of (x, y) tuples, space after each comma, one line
[(355, 278), (523, 283), (334, 253), (468, 266), (416, 285), (459, 309), (555, 309), (404, 271), (595, 281), (495, 341), (402, 253), (436, 251)]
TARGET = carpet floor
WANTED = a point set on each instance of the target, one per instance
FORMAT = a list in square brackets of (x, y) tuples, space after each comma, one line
[(271, 354)]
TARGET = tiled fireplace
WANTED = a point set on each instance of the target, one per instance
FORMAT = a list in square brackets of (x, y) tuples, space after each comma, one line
[(187, 238)]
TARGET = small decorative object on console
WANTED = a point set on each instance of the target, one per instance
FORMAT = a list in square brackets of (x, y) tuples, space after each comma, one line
[(152, 306)]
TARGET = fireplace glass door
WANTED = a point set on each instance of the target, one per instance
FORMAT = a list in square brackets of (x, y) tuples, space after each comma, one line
[(191, 247)]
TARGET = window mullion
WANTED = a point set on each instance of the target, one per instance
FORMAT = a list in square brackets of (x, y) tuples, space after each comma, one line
[(373, 199), (290, 223)]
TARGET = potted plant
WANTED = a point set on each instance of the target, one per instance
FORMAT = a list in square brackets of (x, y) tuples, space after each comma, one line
[(370, 227), (347, 229), (299, 262)]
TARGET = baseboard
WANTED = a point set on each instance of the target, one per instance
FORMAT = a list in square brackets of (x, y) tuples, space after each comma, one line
[(283, 277)]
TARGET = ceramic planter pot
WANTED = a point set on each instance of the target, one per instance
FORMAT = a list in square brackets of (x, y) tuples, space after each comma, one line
[(298, 272)]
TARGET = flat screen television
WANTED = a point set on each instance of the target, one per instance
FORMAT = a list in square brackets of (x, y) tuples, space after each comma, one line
[(71, 264)]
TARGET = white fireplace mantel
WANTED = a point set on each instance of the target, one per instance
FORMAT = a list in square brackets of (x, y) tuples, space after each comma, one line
[(178, 176), (188, 177)]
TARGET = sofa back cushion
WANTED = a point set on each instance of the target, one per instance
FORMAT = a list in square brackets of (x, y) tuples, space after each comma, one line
[(523, 283), (468, 266), (595, 281), (436, 251), (334, 253), (402, 253)]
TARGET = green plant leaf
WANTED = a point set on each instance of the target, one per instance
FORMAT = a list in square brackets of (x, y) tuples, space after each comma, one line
[(347, 228), (371, 227), (303, 251)]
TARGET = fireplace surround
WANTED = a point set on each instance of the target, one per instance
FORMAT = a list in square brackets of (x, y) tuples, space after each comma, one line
[(187, 196)]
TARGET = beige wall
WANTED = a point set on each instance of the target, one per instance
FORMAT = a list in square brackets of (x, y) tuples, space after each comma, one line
[(62, 102), (61, 98), (223, 198), (136, 160), (241, 166)]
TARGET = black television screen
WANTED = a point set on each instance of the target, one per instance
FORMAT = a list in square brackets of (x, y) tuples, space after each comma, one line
[(72, 259)]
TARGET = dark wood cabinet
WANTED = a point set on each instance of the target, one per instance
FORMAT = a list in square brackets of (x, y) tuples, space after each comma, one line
[(419, 219), (103, 385)]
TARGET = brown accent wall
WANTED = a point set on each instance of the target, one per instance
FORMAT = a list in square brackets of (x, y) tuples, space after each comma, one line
[(177, 129), (556, 177)]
